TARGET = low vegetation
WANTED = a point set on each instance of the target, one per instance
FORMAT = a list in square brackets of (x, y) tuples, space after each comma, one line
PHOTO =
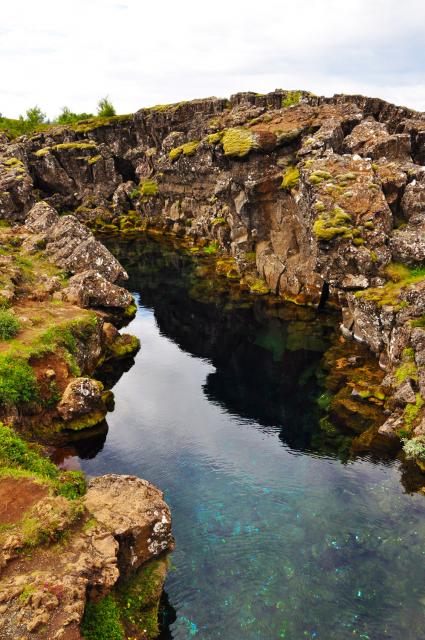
[(35, 120), (18, 458), (399, 276), (9, 324), (291, 98)]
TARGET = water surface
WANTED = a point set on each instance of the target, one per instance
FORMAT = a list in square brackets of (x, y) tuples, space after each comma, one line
[(277, 535)]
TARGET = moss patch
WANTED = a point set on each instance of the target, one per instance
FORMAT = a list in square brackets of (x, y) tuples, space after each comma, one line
[(187, 149), (237, 143), (291, 178), (67, 146), (102, 621), (401, 276), (330, 224)]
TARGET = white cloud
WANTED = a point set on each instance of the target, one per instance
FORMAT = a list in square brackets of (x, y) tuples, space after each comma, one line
[(54, 53)]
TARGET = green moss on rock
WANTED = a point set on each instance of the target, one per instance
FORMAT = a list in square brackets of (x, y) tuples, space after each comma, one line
[(330, 224), (291, 178), (237, 143), (187, 149)]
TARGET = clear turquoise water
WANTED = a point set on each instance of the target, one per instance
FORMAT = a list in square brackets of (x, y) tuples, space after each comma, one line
[(277, 537)]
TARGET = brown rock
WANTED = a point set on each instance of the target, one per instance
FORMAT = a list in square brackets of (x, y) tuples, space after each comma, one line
[(136, 514)]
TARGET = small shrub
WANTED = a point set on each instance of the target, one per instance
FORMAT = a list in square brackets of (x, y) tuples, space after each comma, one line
[(18, 383), (292, 97), (9, 325), (415, 448), (105, 108)]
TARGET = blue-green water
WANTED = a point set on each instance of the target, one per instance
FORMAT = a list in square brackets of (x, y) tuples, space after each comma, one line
[(276, 536)]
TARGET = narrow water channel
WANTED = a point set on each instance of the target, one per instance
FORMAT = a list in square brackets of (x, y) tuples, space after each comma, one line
[(278, 536)]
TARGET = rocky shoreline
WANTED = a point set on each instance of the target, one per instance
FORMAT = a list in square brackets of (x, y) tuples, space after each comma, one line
[(319, 201), (72, 557)]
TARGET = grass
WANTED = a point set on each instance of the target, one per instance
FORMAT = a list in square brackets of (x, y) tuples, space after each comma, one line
[(292, 97), (9, 325), (18, 384), (18, 458), (400, 276)]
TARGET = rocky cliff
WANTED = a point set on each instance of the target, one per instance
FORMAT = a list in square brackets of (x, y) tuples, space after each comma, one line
[(315, 199)]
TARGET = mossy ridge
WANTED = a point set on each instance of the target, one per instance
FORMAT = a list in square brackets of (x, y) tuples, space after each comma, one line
[(85, 126), (401, 276), (330, 224), (238, 142), (66, 146), (187, 149)]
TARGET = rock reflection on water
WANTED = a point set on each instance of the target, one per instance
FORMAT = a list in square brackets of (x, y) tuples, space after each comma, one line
[(278, 534)]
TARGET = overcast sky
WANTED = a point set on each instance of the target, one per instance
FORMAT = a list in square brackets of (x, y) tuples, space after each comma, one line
[(139, 53)]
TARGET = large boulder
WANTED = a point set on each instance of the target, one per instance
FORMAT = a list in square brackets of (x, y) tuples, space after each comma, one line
[(71, 245), (90, 289), (81, 397), (136, 514)]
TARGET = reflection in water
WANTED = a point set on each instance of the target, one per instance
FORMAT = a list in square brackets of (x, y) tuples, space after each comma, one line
[(276, 538)]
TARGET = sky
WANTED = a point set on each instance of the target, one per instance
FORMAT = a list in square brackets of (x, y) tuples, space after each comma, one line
[(140, 53)]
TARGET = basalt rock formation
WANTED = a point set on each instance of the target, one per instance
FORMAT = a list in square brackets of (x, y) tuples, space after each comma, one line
[(78, 551), (315, 199)]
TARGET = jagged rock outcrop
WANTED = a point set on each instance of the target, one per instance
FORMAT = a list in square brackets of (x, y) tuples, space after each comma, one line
[(135, 512), (322, 195), (44, 595), (70, 244)]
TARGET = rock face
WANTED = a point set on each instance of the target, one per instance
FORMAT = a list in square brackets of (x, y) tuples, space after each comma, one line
[(135, 512), (322, 195), (70, 244), (90, 289), (81, 397), (44, 596)]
